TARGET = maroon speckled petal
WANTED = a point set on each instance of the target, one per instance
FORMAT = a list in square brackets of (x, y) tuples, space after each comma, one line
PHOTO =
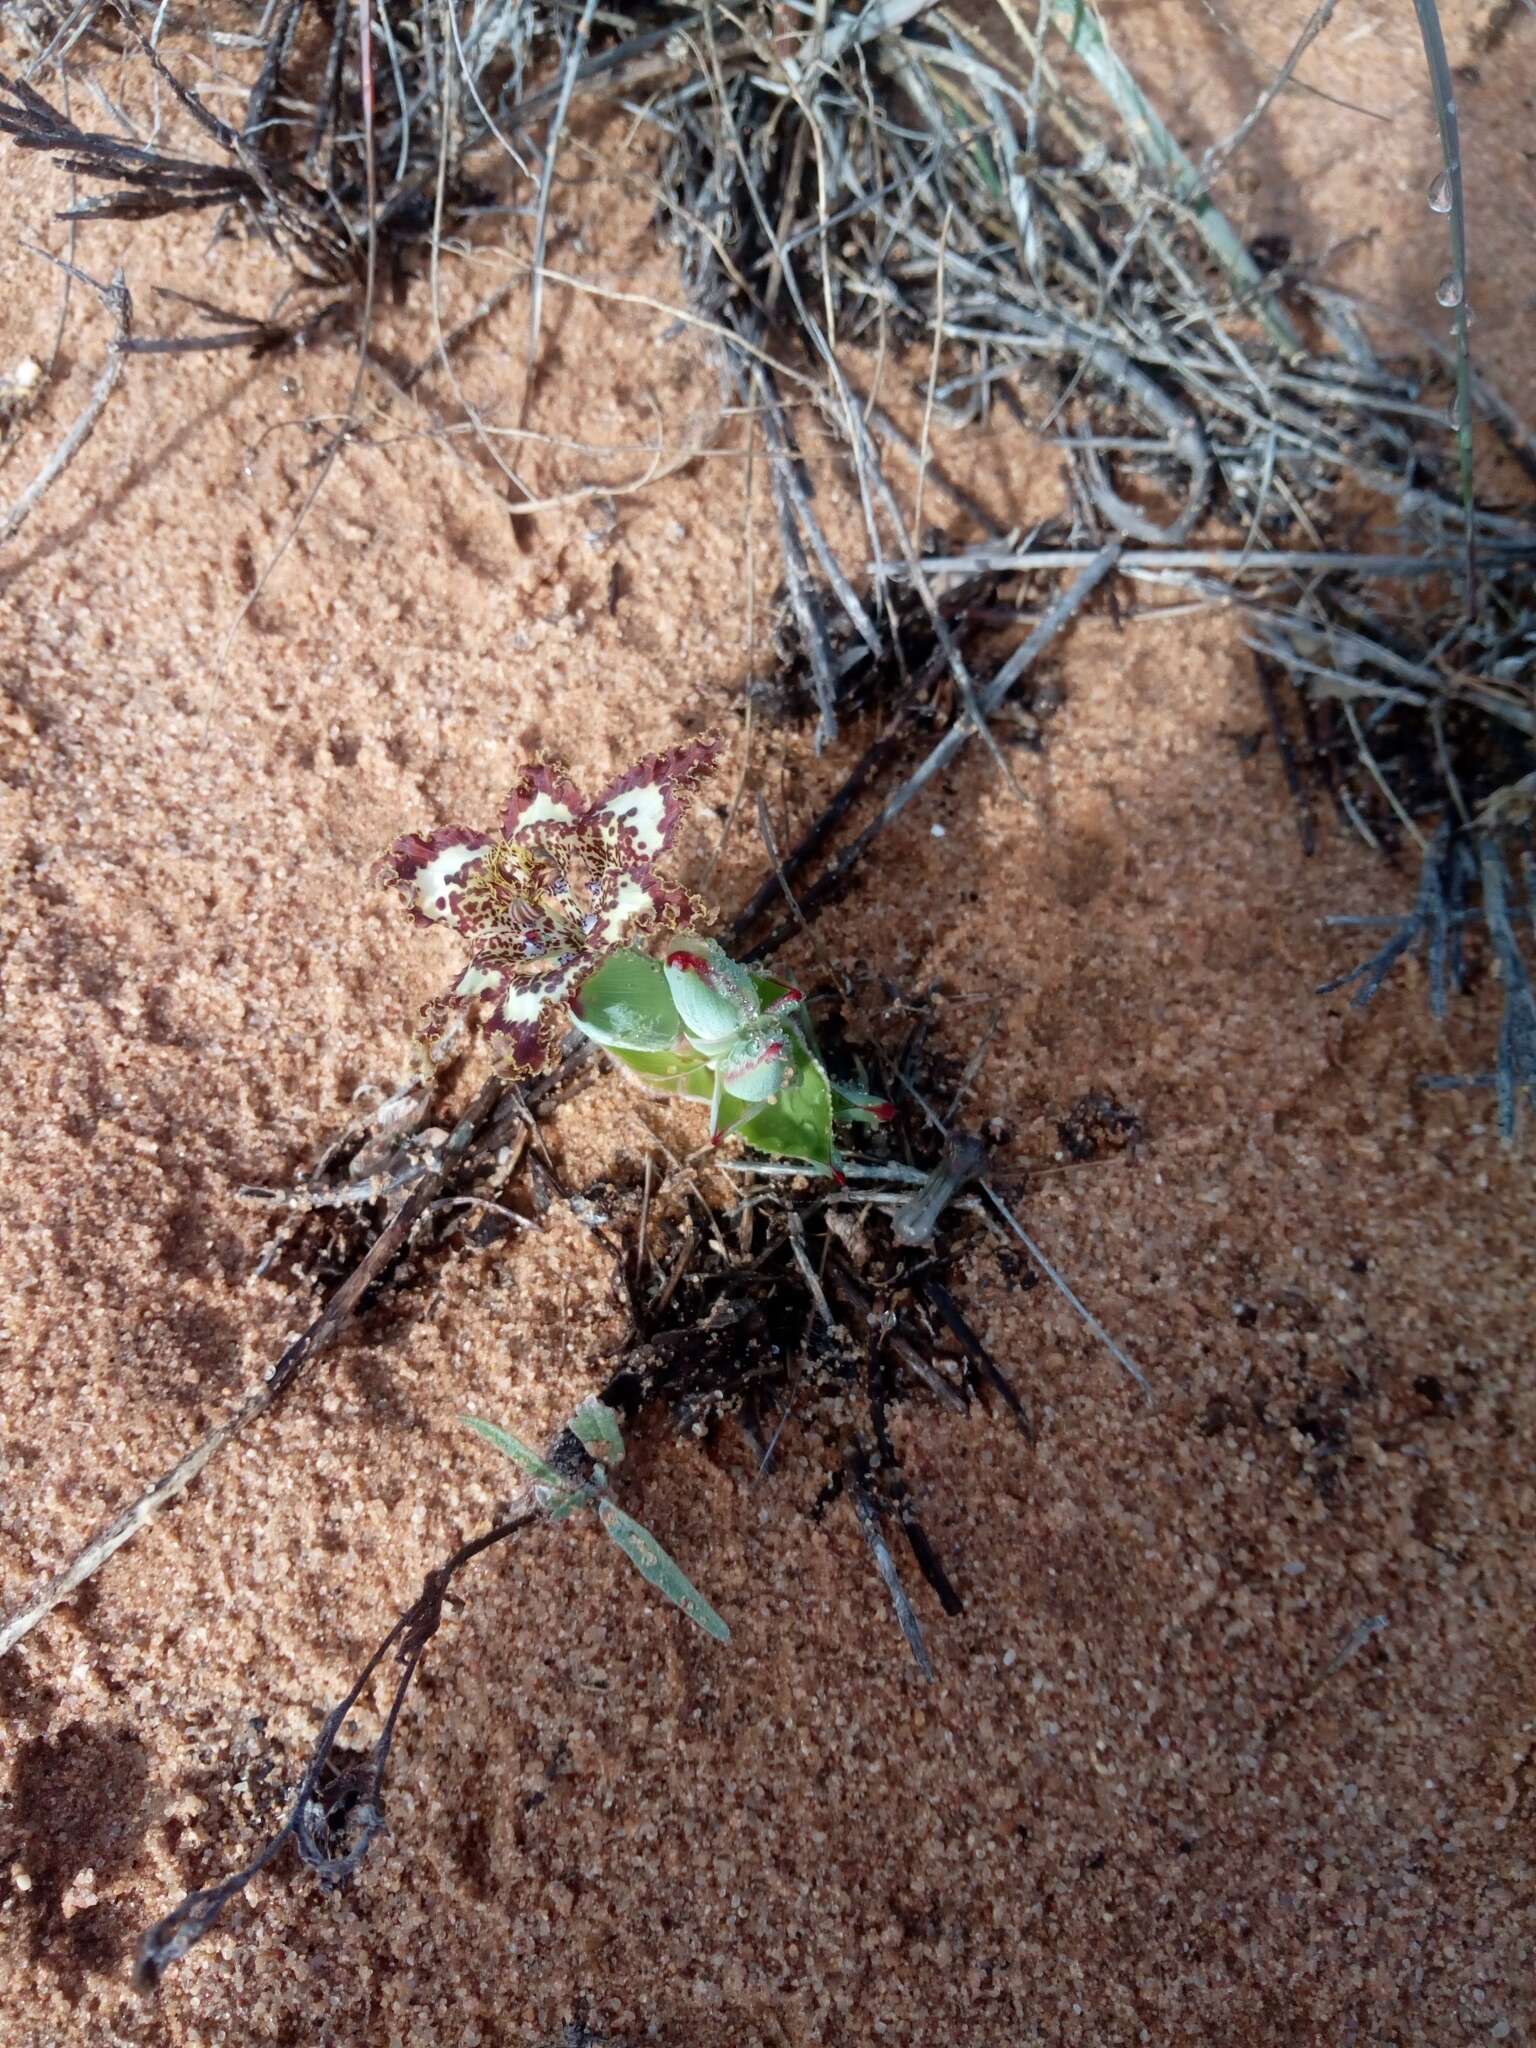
[(526, 1021), (679, 910), (431, 872), (639, 812), (543, 803)]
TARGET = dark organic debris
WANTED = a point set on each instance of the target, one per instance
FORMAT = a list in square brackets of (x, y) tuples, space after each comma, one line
[(1097, 1124), (1455, 866)]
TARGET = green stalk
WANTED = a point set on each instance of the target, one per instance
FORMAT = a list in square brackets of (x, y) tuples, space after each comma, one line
[(1079, 23), (1443, 88)]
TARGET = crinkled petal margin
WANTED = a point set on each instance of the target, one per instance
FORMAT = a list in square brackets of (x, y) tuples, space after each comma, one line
[(637, 904), (526, 1023), (639, 812), (523, 1013), (543, 802), (431, 872), (679, 910)]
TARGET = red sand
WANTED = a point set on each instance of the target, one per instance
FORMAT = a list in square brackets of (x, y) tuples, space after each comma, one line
[(1136, 1805)]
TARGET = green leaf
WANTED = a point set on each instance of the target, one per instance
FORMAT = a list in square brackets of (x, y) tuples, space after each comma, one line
[(715, 998), (626, 1004), (565, 1497), (598, 1427), (799, 1124), (769, 991), (857, 1105), (674, 1073), (659, 1570)]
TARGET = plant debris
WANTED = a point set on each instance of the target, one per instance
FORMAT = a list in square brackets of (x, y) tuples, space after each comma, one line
[(737, 1324)]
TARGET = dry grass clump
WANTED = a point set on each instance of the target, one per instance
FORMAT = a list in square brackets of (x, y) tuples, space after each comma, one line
[(849, 189)]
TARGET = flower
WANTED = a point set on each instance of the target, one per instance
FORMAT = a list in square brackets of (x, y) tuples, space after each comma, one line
[(545, 899)]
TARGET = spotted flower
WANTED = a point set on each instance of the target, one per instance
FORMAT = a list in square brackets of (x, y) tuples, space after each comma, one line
[(551, 894)]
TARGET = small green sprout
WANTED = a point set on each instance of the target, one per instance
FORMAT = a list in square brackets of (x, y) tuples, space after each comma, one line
[(597, 1427), (699, 1024)]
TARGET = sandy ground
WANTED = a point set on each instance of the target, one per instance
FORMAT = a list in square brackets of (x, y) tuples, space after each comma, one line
[(1140, 1803)]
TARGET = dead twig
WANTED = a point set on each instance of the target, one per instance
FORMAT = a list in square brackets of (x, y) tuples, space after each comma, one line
[(116, 299), (326, 1327), (333, 1821), (866, 1514), (1063, 609)]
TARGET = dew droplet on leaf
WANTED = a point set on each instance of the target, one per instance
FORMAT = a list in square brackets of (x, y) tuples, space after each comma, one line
[(1440, 194), (1448, 290)]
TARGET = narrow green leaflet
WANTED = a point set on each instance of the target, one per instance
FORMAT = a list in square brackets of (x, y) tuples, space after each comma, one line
[(567, 1504), (598, 1427), (1080, 24), (514, 1448), (659, 1570), (563, 1498)]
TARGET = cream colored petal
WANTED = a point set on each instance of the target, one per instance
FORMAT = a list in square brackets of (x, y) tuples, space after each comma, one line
[(477, 981), (632, 900), (639, 818), (432, 872)]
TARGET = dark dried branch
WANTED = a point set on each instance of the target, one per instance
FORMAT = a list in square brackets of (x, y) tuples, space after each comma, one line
[(147, 184), (866, 1512), (1449, 868), (963, 1160), (1516, 1070), (333, 1821), (985, 1366), (1063, 609)]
